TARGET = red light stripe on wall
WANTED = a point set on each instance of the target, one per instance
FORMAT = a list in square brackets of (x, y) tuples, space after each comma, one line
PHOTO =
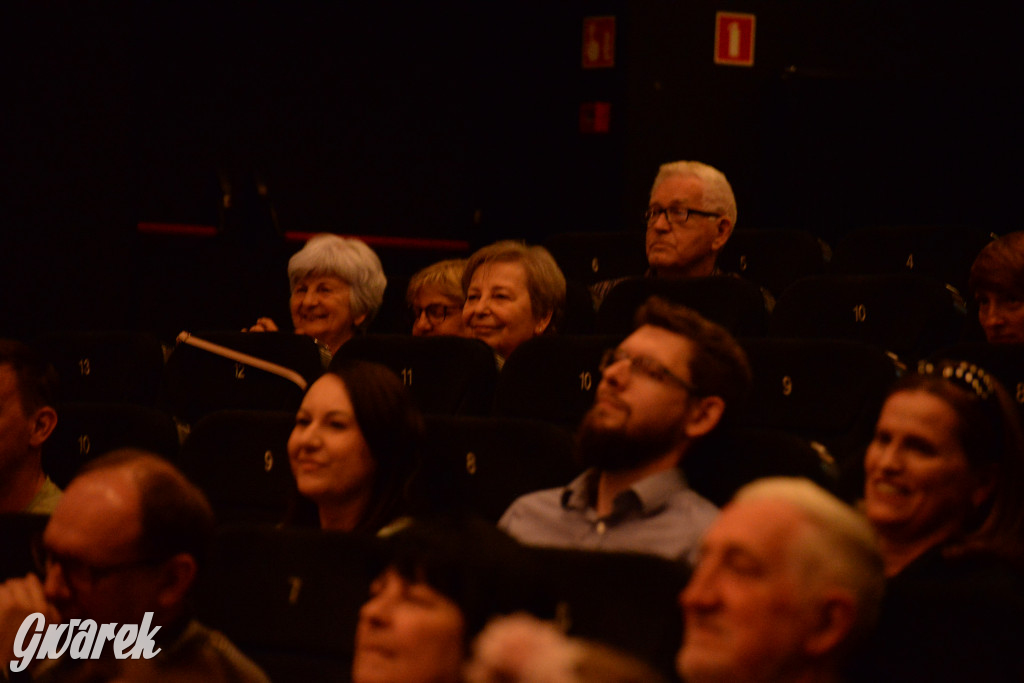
[(415, 243), (177, 229)]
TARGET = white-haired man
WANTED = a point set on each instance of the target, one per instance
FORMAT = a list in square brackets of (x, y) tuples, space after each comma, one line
[(788, 581), (690, 216)]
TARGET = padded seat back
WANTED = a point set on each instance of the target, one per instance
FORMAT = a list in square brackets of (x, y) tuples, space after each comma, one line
[(829, 391), (485, 463), (106, 367), (909, 315), (717, 468), (552, 378), (239, 458), (627, 600), (200, 382), (589, 257), (734, 303), (19, 530), (445, 375), (86, 431), (944, 253), (774, 259), (289, 598)]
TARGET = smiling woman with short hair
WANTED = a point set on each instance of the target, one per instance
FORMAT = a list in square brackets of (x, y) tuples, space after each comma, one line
[(439, 581), (337, 286), (513, 293)]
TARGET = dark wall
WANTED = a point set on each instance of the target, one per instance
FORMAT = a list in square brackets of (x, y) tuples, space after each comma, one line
[(461, 119), (854, 113)]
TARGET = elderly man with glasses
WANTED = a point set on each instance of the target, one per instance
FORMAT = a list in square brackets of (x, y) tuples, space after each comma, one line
[(689, 218), (665, 387)]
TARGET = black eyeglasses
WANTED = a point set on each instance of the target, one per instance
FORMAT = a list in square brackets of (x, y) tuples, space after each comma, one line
[(676, 215), (79, 572), (436, 313), (646, 366)]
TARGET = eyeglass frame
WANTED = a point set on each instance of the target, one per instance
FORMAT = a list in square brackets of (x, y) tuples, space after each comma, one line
[(646, 366), (651, 215), (431, 319), (78, 571)]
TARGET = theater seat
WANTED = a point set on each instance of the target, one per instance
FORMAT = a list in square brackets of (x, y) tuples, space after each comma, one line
[(288, 598), (18, 530), (944, 253), (773, 259), (200, 382), (580, 317), (105, 367), (909, 315), (828, 391), (589, 257), (552, 378), (718, 467), (485, 463), (446, 375), (626, 600), (734, 303), (239, 458), (88, 430)]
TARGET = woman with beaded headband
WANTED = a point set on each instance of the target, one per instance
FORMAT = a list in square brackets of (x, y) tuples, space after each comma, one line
[(944, 490)]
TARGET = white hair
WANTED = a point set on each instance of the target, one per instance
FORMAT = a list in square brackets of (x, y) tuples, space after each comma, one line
[(348, 259), (841, 547), (717, 190)]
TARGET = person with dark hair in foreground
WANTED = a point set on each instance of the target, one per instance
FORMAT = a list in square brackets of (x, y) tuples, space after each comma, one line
[(440, 582), (667, 386), (128, 538), (355, 448)]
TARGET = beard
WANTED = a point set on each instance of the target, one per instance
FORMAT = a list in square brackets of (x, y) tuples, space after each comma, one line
[(614, 450)]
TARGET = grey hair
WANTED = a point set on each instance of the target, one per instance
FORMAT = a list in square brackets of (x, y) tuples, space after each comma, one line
[(544, 279), (841, 547), (717, 190), (349, 259), (445, 275)]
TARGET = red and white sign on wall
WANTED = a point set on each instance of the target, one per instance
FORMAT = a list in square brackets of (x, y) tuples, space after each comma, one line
[(734, 38), (598, 42), (595, 117)]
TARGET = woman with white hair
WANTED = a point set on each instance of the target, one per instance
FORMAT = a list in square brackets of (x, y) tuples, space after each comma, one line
[(337, 287)]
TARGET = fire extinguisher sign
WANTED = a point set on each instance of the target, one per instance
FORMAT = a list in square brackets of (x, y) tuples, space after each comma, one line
[(734, 38)]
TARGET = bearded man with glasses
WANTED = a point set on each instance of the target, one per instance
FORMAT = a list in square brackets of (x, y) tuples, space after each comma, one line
[(667, 386)]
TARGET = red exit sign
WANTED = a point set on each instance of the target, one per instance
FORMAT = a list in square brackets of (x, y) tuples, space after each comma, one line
[(598, 42), (734, 38)]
